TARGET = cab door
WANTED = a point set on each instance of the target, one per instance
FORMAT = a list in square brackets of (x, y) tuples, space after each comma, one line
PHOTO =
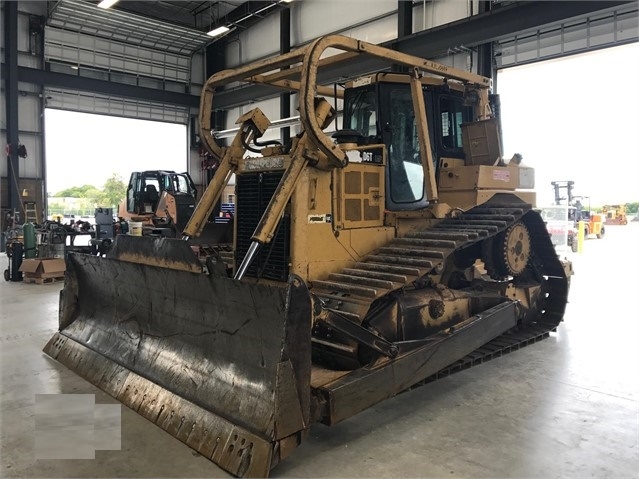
[(133, 193)]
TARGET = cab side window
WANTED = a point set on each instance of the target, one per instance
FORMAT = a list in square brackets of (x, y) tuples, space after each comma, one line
[(452, 114)]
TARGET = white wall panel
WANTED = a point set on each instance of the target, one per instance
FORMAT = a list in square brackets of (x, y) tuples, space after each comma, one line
[(29, 113), (195, 169), (23, 33), (312, 18), (258, 41), (378, 31), (3, 110), (33, 7), (197, 73), (372, 21), (435, 13), (270, 107), (2, 35), (25, 58), (3, 127), (31, 166)]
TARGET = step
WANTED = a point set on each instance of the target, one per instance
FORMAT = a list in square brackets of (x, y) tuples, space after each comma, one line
[(401, 260), (442, 235), (479, 230), (431, 243), (361, 281), (395, 278), (421, 252), (388, 268), (488, 225), (336, 287), (479, 217)]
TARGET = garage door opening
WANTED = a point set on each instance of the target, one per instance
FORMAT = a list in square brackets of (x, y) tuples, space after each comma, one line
[(576, 119), (90, 158)]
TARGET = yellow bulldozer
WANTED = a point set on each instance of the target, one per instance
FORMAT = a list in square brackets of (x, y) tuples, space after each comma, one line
[(615, 214), (364, 262)]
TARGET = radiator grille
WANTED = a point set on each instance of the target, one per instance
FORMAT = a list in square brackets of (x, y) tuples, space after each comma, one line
[(254, 191)]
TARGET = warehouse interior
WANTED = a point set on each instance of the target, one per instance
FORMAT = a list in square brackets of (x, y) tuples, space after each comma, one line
[(560, 398)]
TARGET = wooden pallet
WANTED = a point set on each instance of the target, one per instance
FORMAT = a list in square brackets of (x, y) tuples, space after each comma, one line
[(43, 279)]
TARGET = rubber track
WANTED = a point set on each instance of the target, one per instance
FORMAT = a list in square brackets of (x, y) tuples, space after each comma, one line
[(421, 253)]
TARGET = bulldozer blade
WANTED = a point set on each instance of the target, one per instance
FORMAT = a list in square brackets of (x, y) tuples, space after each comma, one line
[(220, 364)]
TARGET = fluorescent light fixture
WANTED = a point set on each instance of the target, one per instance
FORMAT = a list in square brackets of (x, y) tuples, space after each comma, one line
[(107, 3), (73, 67), (285, 1), (218, 31)]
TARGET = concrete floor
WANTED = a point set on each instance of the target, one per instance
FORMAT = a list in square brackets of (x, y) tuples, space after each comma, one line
[(565, 407)]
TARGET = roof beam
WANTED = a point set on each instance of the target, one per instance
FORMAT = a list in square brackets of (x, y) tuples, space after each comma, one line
[(93, 85), (497, 24), (246, 15)]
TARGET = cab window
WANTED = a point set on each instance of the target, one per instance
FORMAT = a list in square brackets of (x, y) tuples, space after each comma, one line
[(406, 172), (361, 112), (452, 114)]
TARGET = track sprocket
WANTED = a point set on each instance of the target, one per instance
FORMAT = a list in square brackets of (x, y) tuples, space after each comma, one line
[(508, 253)]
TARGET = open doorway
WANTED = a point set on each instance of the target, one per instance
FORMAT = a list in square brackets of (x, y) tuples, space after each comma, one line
[(576, 119), (89, 158)]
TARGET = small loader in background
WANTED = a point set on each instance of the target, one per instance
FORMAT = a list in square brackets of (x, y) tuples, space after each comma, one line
[(363, 262), (162, 200)]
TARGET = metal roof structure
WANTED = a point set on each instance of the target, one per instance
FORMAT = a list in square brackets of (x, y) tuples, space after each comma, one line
[(130, 28)]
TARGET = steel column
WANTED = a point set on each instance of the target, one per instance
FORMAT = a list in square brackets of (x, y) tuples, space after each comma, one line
[(404, 25), (11, 102), (485, 51), (285, 47), (404, 18)]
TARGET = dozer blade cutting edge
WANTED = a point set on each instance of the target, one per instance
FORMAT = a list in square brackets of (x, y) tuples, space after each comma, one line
[(222, 365)]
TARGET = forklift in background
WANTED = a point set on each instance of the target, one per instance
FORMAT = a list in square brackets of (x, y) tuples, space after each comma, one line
[(593, 222)]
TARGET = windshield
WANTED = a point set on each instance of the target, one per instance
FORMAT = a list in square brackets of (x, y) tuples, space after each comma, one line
[(406, 172), (178, 183), (360, 113)]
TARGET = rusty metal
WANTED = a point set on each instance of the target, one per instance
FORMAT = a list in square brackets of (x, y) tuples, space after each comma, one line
[(154, 251)]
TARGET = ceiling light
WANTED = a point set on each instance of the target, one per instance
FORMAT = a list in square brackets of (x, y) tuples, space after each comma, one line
[(285, 1), (73, 67), (218, 31), (107, 3)]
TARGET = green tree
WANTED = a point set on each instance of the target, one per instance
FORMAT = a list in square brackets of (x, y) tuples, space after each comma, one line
[(77, 192), (632, 208), (113, 191)]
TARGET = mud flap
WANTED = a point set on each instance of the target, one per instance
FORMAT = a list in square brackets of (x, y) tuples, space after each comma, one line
[(222, 365)]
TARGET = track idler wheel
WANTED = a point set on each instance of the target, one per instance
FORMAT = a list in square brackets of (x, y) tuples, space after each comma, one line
[(508, 253)]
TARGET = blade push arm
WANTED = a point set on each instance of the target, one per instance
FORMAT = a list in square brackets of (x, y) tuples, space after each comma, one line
[(253, 125)]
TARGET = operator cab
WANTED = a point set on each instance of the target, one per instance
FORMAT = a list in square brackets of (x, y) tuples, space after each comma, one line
[(380, 110)]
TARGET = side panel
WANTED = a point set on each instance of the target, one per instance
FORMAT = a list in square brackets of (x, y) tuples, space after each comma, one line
[(318, 246)]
